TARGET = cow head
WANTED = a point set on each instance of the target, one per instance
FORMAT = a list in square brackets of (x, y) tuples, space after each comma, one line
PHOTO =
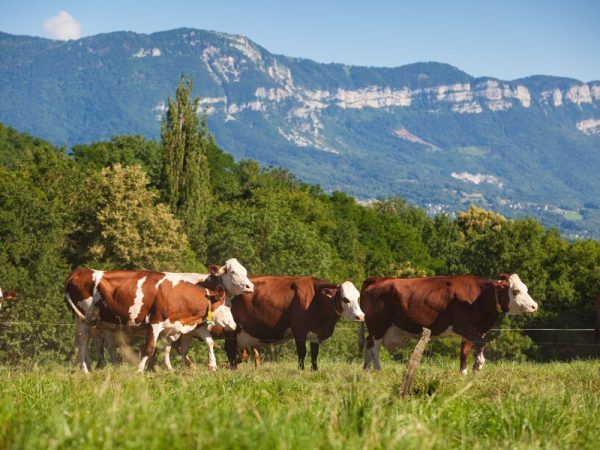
[(6, 295), (519, 300), (346, 298), (221, 310), (234, 277)]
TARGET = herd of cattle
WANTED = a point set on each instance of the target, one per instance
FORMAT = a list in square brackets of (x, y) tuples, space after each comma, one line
[(248, 311)]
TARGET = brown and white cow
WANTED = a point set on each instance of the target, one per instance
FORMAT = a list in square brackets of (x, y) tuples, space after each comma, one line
[(285, 307), (6, 295), (397, 309), (160, 301), (220, 318)]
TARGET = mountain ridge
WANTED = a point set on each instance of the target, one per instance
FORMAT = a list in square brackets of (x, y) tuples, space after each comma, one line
[(427, 131)]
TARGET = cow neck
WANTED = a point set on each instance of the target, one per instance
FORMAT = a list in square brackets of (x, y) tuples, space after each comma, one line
[(336, 300), (211, 282), (501, 309)]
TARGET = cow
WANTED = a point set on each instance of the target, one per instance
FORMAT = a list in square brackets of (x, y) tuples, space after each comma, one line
[(285, 307), (160, 301), (219, 318), (397, 309), (6, 295)]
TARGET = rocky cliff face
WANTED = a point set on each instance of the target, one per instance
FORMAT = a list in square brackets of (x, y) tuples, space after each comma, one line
[(426, 131)]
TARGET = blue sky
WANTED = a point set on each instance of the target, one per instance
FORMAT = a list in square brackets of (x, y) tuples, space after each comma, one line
[(504, 39)]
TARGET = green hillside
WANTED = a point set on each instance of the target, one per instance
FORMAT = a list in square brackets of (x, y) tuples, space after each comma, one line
[(427, 132)]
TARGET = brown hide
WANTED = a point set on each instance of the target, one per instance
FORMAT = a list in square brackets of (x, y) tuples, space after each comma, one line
[(281, 303), (465, 302), (184, 302)]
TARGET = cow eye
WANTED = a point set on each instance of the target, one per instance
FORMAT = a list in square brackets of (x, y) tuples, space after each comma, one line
[(345, 300), (516, 292)]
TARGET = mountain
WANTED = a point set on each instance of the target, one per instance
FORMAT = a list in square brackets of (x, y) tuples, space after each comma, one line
[(428, 132)]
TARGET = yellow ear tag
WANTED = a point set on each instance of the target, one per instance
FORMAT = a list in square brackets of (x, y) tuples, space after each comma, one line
[(209, 315), (498, 307)]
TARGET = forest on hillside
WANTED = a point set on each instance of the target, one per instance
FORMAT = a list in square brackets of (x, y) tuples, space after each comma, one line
[(182, 202)]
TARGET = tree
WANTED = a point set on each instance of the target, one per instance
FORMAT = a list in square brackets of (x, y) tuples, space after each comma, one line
[(124, 149), (124, 228), (186, 175)]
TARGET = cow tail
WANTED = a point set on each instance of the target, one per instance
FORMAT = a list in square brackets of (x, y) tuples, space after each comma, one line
[(361, 337)]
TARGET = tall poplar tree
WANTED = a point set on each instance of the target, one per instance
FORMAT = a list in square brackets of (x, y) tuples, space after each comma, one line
[(186, 177)]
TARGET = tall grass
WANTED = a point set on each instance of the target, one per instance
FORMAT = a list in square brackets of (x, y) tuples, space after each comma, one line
[(509, 405)]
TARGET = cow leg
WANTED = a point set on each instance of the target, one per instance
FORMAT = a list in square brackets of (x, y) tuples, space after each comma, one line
[(183, 347), (465, 349), (111, 347), (314, 354), (368, 353), (376, 347), (81, 339), (301, 351), (231, 349), (244, 355), (151, 337), (98, 338), (479, 359), (167, 352), (256, 357), (372, 353), (208, 340)]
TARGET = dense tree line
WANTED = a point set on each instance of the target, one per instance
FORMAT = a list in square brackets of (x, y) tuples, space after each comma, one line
[(183, 202)]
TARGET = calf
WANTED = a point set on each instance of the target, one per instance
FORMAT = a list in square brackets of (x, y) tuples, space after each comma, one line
[(284, 307), (398, 308)]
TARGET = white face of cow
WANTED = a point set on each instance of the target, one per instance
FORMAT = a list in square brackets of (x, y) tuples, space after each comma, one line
[(222, 317), (235, 277), (350, 302), (519, 300)]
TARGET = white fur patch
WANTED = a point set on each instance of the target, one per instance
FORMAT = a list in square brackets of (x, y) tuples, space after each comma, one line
[(173, 327), (395, 337), (176, 278), (138, 301)]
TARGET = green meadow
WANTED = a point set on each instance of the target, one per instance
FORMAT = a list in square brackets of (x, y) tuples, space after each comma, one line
[(508, 405)]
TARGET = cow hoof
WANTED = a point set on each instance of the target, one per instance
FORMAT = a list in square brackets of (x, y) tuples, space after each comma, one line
[(212, 368), (464, 372)]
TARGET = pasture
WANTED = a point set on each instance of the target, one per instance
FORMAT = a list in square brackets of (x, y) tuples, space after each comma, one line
[(508, 405)]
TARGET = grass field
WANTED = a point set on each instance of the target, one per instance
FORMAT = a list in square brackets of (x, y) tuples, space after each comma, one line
[(509, 405)]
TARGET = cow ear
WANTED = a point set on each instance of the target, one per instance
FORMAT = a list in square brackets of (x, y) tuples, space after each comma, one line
[(501, 284), (329, 292), (9, 295), (504, 277), (217, 270), (220, 291)]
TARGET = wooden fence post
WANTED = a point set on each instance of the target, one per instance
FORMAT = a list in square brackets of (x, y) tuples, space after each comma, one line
[(413, 363)]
